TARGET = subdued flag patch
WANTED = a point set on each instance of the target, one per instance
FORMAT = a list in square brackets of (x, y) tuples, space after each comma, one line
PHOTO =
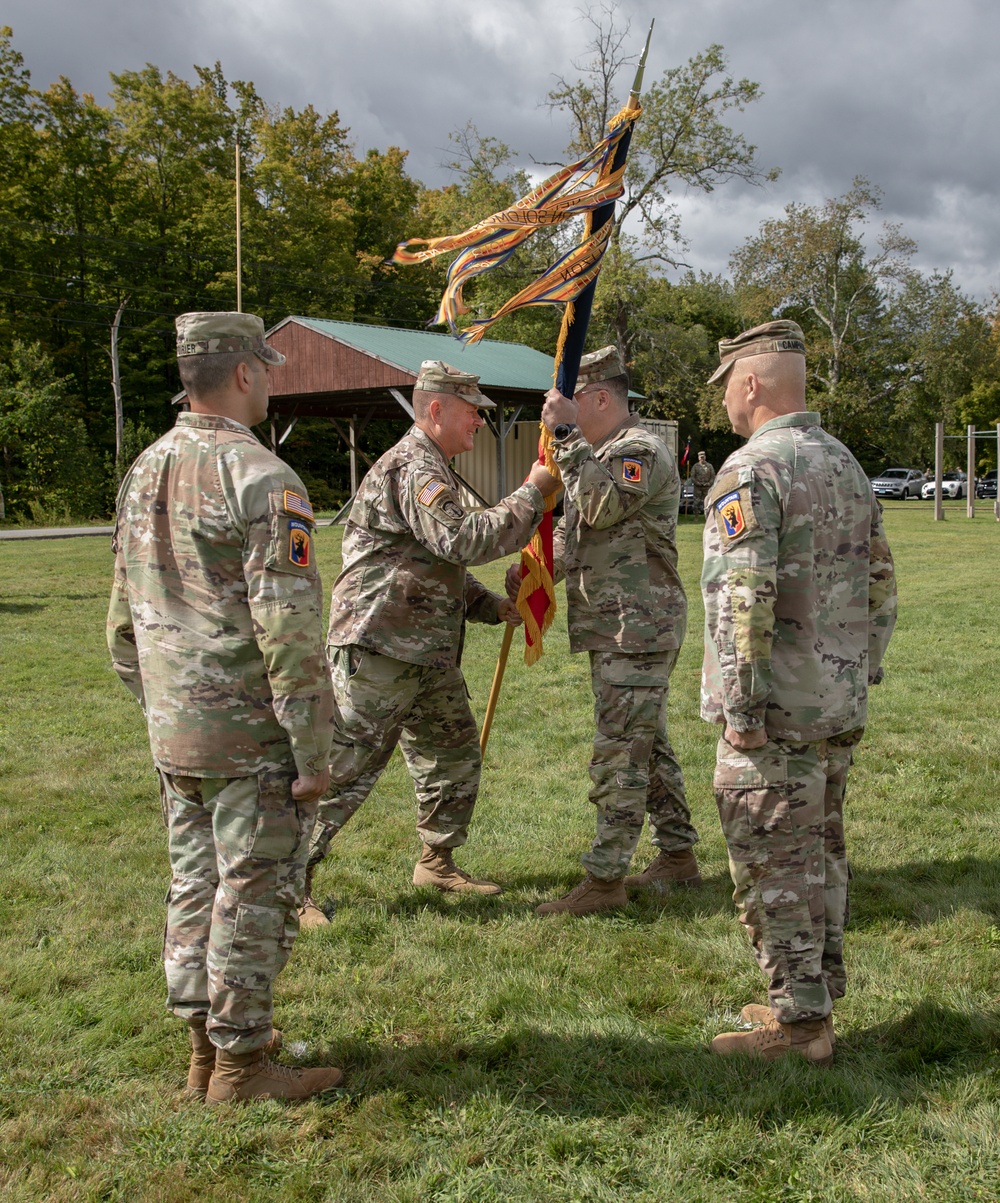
[(430, 491), (730, 511), (294, 504), (299, 543)]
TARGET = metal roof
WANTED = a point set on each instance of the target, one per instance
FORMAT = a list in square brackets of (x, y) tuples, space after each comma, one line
[(497, 364)]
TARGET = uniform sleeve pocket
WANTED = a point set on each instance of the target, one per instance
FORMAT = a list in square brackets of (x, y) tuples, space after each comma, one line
[(291, 545)]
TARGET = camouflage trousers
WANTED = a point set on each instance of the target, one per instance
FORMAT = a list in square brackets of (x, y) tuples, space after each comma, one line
[(381, 702), (237, 858), (633, 769), (782, 813)]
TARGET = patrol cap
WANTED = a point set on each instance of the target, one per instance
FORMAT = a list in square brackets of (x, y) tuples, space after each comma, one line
[(600, 365), (213, 333), (761, 340), (436, 376)]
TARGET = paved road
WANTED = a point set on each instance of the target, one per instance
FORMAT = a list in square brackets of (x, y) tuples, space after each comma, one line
[(75, 532)]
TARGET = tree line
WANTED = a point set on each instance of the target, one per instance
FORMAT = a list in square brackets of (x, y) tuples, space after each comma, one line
[(129, 205)]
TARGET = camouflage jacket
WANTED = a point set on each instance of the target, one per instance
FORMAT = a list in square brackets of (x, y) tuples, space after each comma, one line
[(702, 474), (404, 590), (615, 543), (799, 585), (215, 618)]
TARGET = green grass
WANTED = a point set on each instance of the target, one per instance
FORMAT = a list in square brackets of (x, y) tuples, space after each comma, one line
[(491, 1055)]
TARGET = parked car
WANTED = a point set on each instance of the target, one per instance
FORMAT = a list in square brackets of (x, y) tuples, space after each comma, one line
[(687, 497), (953, 484), (987, 485), (898, 482)]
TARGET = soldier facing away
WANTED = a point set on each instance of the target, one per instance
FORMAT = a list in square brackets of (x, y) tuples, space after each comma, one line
[(800, 603), (215, 626), (626, 608), (397, 623)]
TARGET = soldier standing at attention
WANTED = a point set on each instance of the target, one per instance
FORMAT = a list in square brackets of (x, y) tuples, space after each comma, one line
[(702, 477), (800, 603), (215, 626), (626, 607), (397, 623)]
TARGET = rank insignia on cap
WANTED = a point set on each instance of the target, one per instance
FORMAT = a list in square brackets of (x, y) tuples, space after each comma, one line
[(632, 470), (294, 504), (730, 511), (431, 491), (299, 543)]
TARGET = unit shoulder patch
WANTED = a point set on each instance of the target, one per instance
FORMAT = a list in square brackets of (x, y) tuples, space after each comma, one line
[(734, 515), (631, 472)]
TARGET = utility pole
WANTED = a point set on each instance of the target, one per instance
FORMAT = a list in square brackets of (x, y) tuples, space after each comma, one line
[(239, 233)]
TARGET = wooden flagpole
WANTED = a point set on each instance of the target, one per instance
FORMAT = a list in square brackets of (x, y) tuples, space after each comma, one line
[(491, 705)]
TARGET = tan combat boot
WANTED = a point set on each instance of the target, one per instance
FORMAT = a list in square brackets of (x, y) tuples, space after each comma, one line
[(773, 1040), (203, 1057), (669, 868), (240, 1076), (756, 1013), (436, 868), (589, 897), (310, 915)]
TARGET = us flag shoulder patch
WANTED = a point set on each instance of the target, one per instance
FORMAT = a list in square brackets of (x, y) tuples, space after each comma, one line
[(294, 504), (432, 490)]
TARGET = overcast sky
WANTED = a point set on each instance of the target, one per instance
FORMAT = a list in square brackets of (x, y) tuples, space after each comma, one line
[(901, 91)]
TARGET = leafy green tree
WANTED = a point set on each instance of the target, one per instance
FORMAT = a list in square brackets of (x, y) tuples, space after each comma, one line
[(49, 468)]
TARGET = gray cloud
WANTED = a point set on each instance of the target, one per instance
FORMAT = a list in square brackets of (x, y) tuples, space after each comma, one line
[(900, 91)]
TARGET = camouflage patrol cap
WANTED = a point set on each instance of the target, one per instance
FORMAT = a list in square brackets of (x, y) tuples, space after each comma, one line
[(213, 333), (436, 376), (761, 340), (604, 364)]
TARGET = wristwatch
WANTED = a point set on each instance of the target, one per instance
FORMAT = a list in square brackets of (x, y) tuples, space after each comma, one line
[(563, 431)]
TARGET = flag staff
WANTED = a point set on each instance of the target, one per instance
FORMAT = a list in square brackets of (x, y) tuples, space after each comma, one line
[(239, 233), (535, 600)]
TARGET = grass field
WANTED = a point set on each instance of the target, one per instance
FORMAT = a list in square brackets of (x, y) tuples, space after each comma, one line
[(491, 1055)]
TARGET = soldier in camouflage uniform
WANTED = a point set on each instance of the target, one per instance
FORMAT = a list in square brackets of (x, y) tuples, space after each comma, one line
[(397, 622), (800, 602), (702, 478), (626, 608), (215, 626)]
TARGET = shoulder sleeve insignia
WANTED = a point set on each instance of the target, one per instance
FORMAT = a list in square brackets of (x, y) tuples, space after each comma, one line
[(430, 492), (632, 470), (299, 543), (734, 515), (296, 504)]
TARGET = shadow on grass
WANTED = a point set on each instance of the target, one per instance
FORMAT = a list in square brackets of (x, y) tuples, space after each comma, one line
[(920, 892), (22, 607), (592, 1074)]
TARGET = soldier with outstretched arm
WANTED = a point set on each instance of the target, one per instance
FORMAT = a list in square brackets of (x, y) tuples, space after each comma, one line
[(800, 603), (397, 623)]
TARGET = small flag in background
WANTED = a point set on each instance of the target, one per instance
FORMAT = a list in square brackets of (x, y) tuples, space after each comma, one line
[(687, 452)]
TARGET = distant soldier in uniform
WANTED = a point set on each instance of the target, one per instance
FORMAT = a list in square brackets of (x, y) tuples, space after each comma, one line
[(215, 626), (397, 623), (800, 603), (702, 476), (626, 608)]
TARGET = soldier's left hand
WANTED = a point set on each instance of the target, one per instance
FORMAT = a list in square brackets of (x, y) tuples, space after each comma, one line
[(508, 613), (745, 741), (512, 581), (311, 788), (558, 408)]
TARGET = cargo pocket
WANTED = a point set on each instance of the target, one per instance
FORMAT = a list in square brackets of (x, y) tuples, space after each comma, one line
[(276, 830), (752, 797), (252, 960)]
